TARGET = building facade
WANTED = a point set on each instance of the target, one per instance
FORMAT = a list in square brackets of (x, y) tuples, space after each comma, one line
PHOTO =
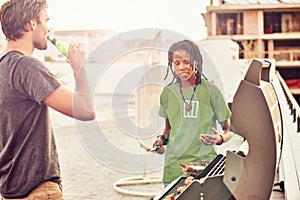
[(263, 29)]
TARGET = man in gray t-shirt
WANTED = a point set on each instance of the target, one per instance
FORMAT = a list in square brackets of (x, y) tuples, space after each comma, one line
[(28, 154), (28, 151)]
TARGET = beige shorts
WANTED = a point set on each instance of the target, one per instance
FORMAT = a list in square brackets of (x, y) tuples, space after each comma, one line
[(45, 191)]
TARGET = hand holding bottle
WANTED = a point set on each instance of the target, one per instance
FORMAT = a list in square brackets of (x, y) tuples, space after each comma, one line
[(76, 57), (74, 53), (159, 143)]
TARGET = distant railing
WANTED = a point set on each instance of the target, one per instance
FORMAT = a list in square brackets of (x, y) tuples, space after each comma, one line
[(293, 105), (284, 55)]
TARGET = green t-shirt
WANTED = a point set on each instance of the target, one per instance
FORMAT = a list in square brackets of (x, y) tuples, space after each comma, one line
[(208, 108)]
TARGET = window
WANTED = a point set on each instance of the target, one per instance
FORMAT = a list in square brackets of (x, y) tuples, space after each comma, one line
[(229, 23)]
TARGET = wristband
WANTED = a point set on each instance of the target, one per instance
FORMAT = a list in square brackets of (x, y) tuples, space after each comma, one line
[(222, 140), (163, 139)]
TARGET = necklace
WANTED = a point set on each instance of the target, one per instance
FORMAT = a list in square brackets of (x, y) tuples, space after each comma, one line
[(188, 105)]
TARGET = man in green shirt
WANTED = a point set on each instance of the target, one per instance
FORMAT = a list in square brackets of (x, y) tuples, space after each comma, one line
[(191, 106)]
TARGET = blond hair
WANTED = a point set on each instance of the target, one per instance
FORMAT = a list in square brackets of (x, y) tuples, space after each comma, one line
[(15, 14)]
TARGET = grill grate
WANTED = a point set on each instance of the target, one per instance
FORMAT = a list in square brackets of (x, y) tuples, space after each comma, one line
[(214, 168)]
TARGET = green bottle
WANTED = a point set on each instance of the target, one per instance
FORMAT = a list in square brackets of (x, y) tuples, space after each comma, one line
[(62, 47)]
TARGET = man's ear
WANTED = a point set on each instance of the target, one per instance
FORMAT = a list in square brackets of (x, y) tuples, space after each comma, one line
[(31, 25)]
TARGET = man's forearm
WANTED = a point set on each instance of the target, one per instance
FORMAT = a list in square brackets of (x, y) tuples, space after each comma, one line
[(83, 104)]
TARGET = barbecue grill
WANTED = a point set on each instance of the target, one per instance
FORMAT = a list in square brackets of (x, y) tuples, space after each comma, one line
[(214, 169)]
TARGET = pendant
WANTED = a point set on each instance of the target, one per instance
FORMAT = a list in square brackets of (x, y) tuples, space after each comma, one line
[(188, 107)]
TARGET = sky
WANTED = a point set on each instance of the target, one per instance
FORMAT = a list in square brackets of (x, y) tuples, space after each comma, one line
[(181, 16), (121, 16)]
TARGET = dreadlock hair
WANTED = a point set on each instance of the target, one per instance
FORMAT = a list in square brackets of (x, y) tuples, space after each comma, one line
[(195, 57)]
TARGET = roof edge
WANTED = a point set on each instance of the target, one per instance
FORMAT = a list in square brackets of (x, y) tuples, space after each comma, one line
[(233, 7)]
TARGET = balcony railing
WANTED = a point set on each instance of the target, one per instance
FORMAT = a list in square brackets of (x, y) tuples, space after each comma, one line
[(290, 55)]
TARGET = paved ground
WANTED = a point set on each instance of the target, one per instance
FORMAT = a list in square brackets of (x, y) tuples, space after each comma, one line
[(83, 176)]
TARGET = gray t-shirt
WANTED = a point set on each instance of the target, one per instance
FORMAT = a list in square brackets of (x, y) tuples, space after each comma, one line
[(28, 154)]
